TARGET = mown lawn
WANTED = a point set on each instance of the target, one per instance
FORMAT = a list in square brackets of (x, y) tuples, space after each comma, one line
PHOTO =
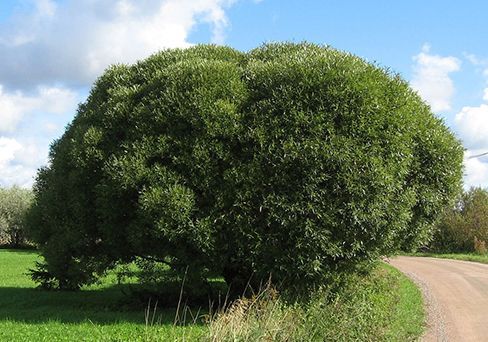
[(93, 314)]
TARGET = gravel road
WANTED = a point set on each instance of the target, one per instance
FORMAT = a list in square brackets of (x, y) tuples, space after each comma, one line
[(455, 294)]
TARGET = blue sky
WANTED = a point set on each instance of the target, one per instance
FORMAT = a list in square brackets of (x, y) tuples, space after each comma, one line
[(52, 50)]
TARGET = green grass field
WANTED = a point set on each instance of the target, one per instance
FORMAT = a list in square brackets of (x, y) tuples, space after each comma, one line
[(384, 306), (93, 314), (456, 256)]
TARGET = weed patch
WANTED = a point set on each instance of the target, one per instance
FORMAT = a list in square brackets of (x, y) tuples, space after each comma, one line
[(382, 306)]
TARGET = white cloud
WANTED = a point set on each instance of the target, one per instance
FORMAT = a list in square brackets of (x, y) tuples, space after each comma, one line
[(431, 78), (476, 171), (70, 43), (476, 60), (50, 100), (45, 8), (472, 58), (51, 127), (20, 157), (55, 100), (8, 148), (472, 123), (481, 65), (75, 41), (19, 162)]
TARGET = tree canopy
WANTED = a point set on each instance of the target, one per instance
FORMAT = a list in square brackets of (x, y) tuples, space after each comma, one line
[(290, 161)]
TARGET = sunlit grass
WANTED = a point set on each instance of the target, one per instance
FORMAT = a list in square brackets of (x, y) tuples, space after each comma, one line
[(482, 258), (382, 306), (97, 313)]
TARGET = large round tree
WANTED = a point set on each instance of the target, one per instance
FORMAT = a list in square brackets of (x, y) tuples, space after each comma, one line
[(291, 161)]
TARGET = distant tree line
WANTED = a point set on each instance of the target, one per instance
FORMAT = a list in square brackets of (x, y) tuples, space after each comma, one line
[(463, 227), (14, 204)]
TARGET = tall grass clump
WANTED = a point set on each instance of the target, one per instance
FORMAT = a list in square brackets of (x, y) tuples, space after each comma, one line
[(381, 306)]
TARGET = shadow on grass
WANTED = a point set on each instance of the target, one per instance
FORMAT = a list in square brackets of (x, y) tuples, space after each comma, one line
[(102, 306)]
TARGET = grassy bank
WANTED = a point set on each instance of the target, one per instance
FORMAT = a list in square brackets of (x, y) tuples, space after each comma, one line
[(383, 306), (456, 256)]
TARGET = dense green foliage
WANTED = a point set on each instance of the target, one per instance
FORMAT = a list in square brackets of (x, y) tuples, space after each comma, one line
[(292, 161), (14, 203), (464, 226)]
